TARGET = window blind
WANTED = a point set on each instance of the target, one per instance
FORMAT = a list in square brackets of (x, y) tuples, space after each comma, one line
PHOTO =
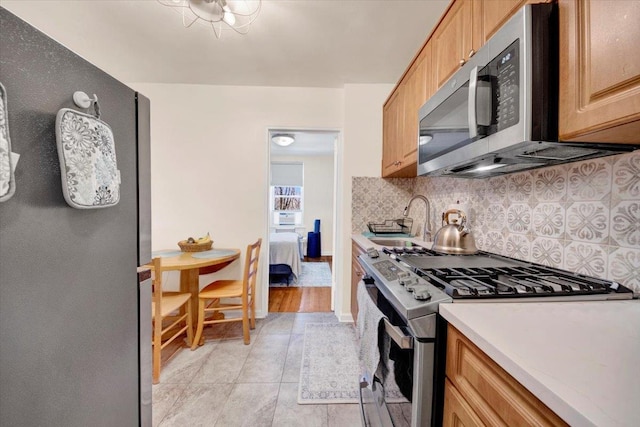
[(287, 174)]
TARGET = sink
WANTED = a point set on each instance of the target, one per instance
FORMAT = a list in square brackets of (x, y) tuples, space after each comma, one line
[(393, 242)]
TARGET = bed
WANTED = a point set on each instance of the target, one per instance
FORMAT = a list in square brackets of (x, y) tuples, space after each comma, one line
[(284, 256)]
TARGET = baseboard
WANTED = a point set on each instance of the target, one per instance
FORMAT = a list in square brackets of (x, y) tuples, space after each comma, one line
[(345, 318)]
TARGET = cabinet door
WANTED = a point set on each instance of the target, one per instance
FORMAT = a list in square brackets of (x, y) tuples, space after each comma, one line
[(389, 134), (414, 92), (357, 272), (457, 412), (492, 394), (494, 13), (400, 134), (453, 40), (427, 72), (599, 71)]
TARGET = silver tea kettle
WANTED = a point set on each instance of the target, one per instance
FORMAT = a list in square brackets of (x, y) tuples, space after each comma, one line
[(455, 239)]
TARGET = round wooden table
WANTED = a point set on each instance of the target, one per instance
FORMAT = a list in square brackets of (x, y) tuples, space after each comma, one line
[(192, 264)]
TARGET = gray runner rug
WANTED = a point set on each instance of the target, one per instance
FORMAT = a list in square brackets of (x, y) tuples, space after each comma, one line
[(329, 369)]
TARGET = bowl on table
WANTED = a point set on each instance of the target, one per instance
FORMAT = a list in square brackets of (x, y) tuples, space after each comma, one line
[(185, 246)]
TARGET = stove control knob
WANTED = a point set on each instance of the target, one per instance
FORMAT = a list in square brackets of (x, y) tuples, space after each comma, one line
[(373, 253), (410, 281), (403, 275), (413, 285), (421, 294)]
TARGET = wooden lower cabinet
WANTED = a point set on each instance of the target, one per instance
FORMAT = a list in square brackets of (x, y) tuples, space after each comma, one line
[(457, 411), (478, 392), (356, 275)]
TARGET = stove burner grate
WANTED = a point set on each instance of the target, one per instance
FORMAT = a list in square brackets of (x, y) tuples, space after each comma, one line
[(513, 281)]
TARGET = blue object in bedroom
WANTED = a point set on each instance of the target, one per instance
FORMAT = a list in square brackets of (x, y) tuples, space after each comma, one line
[(313, 244), (316, 226)]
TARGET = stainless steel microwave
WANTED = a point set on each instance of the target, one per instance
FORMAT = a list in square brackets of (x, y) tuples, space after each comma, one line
[(499, 113)]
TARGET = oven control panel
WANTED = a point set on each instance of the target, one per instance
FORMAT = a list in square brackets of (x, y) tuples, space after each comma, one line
[(413, 297), (388, 269), (392, 272)]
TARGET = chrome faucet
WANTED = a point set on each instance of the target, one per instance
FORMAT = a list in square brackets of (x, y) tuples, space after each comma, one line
[(427, 221)]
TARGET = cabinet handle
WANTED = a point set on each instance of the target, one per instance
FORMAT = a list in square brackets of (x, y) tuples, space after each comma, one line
[(462, 62), (471, 53), (359, 274)]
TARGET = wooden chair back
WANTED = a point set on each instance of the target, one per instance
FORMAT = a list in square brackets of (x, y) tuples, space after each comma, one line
[(156, 295), (251, 270), (176, 307)]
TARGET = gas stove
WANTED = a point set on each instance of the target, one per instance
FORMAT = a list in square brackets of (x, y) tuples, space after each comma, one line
[(408, 284), (415, 279)]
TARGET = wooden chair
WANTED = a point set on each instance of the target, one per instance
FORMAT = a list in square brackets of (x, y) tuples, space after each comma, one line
[(170, 308), (244, 289)]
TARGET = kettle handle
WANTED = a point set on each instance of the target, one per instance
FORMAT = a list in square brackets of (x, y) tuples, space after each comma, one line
[(461, 214)]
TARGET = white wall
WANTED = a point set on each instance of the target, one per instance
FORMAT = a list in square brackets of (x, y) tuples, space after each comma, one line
[(362, 156), (209, 156), (318, 195)]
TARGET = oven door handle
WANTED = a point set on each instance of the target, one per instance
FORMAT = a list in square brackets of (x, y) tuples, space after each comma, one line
[(404, 341)]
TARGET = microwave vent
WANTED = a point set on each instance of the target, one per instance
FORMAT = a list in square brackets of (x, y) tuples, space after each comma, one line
[(560, 153)]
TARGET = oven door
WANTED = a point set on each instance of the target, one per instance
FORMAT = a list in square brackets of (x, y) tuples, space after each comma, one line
[(413, 374)]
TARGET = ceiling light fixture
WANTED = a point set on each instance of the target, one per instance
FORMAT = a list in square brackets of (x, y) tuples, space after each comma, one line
[(283, 140), (237, 15)]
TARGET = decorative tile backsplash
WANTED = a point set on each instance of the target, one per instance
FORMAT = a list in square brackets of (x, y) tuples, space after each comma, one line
[(583, 216)]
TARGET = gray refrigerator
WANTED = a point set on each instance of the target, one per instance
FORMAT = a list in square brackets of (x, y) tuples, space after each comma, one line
[(74, 308)]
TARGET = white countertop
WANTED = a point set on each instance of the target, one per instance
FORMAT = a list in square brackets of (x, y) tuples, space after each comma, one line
[(582, 359)]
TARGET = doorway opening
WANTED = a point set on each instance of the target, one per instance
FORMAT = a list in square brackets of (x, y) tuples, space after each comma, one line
[(301, 219)]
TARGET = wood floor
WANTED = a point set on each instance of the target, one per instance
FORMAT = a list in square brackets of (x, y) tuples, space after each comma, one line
[(301, 300)]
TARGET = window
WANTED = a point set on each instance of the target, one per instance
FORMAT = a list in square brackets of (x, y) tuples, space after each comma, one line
[(286, 205), (287, 195), (287, 198)]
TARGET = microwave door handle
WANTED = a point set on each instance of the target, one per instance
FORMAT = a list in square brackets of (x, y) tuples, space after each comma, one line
[(473, 90)]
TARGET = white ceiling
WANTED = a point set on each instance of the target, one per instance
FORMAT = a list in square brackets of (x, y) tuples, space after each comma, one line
[(307, 143), (302, 43)]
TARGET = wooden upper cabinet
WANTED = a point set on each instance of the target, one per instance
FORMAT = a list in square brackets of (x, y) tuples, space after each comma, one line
[(427, 71), (415, 95), (599, 71), (400, 117), (455, 40), (409, 144), (388, 156), (494, 13), (392, 120)]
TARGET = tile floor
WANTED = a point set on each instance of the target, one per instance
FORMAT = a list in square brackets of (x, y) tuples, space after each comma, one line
[(226, 383)]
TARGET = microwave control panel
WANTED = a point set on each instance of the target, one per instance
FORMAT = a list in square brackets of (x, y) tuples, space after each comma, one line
[(507, 66)]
